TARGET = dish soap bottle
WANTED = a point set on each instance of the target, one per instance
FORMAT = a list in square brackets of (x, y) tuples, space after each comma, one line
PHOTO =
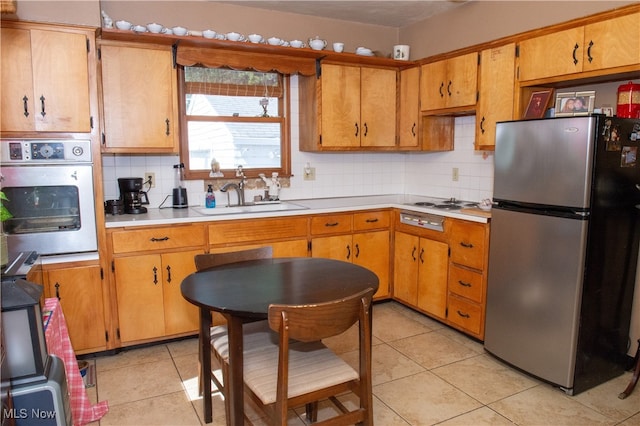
[(210, 200)]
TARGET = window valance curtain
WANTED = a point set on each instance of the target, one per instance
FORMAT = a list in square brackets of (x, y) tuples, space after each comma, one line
[(240, 60)]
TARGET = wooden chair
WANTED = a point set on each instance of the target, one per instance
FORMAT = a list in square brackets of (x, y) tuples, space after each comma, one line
[(301, 370), (255, 333)]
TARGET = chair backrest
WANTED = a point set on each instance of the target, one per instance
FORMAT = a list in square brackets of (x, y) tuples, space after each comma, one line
[(209, 260), (308, 323)]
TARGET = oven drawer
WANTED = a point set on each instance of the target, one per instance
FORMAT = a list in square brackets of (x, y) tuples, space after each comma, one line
[(127, 241)]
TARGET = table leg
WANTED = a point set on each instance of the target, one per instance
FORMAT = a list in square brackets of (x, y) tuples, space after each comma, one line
[(205, 362), (235, 389)]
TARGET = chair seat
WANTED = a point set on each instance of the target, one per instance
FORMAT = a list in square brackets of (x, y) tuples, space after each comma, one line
[(312, 366), (256, 334)]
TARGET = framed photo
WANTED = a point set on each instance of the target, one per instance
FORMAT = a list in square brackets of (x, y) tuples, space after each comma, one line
[(575, 103), (585, 102), (538, 103)]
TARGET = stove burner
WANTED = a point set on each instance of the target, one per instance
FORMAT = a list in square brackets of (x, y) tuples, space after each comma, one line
[(447, 207), (424, 204), (452, 201)]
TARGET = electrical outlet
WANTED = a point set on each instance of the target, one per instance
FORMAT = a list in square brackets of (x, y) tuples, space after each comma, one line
[(309, 173), (455, 175), (150, 179)]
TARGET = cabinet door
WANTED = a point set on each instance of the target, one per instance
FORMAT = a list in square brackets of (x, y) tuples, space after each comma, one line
[(551, 55), (337, 247), (180, 316), (17, 102), (433, 86), (45, 81), (60, 81), (433, 260), (80, 293), (340, 106), (405, 268), (409, 108), (462, 83), (495, 102), (294, 248), (371, 250), (139, 89), (612, 43), (378, 107), (139, 295), (449, 83)]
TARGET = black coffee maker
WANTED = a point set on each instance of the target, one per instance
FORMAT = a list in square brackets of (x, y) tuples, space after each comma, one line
[(132, 195)]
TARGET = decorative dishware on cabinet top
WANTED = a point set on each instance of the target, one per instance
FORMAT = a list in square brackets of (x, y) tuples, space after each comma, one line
[(317, 43)]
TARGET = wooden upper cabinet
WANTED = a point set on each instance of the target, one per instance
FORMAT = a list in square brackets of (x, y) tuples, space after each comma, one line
[(450, 83), (553, 54), (495, 86), (45, 81), (409, 120), (340, 106), (612, 43), (598, 46), (358, 107), (140, 99), (378, 107)]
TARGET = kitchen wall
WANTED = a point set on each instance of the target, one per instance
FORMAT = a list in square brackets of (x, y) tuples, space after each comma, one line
[(481, 21), (340, 174)]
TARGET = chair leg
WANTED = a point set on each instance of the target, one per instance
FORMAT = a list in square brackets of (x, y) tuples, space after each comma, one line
[(311, 411), (634, 378)]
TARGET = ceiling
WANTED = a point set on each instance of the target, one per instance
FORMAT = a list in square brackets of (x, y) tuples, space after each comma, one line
[(389, 13)]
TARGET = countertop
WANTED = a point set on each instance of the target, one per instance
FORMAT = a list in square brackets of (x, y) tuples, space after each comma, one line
[(168, 216)]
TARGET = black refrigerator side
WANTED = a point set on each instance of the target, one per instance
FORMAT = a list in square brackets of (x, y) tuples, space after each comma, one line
[(612, 253)]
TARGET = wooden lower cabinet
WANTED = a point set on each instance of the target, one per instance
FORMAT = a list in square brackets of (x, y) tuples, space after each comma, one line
[(79, 290), (420, 273), (150, 304), (368, 249), (469, 242), (362, 238)]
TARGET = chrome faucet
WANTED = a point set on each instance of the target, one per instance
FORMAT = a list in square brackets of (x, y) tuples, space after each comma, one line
[(239, 191), (239, 187)]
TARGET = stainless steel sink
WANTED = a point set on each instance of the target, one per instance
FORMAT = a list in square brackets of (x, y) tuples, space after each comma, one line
[(252, 208)]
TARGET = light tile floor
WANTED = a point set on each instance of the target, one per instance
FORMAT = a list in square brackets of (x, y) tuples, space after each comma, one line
[(424, 373)]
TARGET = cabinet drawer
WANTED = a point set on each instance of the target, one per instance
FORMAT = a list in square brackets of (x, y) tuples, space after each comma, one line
[(371, 220), (465, 283), (157, 238), (331, 224), (243, 231), (465, 314), (468, 244)]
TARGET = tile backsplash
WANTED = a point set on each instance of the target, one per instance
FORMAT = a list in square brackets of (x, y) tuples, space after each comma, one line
[(337, 175)]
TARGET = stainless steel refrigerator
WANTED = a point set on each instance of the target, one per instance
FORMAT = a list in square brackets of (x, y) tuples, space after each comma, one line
[(565, 228)]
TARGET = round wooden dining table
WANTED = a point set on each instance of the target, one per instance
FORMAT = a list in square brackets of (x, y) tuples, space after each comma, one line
[(243, 291)]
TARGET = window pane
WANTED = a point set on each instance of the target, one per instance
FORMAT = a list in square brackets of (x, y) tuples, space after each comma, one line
[(231, 106), (251, 145)]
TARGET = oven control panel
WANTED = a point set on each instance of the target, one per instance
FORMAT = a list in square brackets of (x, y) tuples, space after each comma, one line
[(41, 151)]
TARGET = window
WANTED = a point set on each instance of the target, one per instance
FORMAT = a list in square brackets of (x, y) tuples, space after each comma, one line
[(234, 118)]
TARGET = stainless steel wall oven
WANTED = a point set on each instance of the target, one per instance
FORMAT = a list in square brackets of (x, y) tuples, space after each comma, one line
[(49, 184)]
